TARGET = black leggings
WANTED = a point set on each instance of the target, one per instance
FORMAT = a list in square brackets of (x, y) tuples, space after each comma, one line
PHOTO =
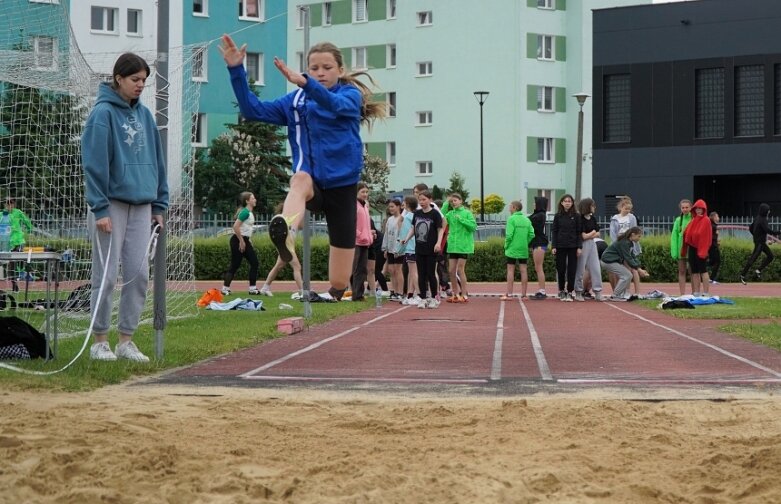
[(758, 249), (566, 266), (714, 258), (427, 274), (237, 255)]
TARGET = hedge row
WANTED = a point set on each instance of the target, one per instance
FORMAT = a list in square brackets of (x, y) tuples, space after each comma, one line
[(212, 257)]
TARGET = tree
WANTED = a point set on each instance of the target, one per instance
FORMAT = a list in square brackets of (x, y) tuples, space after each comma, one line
[(375, 174), (437, 193), (457, 182), (494, 204)]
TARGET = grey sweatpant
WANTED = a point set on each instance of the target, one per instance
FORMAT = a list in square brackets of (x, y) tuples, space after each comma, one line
[(624, 278), (589, 260), (131, 228)]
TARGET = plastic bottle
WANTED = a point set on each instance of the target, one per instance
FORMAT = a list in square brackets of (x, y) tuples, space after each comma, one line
[(378, 298)]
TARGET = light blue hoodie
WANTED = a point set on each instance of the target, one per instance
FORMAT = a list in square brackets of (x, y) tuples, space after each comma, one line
[(122, 155)]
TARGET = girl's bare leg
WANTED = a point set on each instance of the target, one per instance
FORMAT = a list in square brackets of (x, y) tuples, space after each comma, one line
[(682, 276), (340, 267), (462, 276), (510, 278), (524, 279), (301, 191), (539, 260)]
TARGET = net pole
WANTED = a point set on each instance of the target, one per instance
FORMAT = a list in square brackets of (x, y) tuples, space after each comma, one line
[(161, 116), (307, 228)]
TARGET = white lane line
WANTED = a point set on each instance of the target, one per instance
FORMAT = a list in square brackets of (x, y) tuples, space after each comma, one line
[(668, 380), (703, 343), (313, 346), (367, 379), (542, 364), (496, 365)]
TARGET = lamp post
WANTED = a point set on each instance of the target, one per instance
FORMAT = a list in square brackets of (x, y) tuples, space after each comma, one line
[(581, 97), (481, 97)]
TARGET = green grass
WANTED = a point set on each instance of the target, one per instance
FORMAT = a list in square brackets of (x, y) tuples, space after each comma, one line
[(187, 341), (764, 334), (744, 308)]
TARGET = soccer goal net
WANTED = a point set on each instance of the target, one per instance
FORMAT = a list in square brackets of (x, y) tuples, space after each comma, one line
[(47, 88)]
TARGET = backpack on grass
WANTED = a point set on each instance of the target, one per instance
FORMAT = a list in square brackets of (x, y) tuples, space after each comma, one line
[(18, 337)]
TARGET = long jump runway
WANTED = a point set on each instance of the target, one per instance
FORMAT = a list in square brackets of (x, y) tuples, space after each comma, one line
[(490, 345)]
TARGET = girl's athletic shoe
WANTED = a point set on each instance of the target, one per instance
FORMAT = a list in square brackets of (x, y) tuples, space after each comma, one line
[(253, 291), (539, 295), (279, 231), (226, 291), (266, 291)]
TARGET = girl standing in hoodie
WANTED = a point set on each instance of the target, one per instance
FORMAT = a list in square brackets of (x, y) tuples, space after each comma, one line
[(566, 243), (126, 190), (759, 231), (364, 237), (539, 244), (697, 238)]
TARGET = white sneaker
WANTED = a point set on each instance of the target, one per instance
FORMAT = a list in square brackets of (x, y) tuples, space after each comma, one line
[(423, 304), (128, 350), (296, 296), (102, 352), (415, 299), (226, 291), (253, 291), (433, 303), (579, 297), (266, 291)]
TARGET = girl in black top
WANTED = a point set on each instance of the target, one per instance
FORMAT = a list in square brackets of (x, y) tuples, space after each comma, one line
[(566, 242), (539, 244)]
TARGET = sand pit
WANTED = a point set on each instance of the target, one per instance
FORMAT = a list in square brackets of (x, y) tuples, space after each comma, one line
[(216, 445)]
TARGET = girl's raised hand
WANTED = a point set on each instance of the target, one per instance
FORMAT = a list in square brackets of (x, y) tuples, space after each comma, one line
[(291, 75), (233, 56)]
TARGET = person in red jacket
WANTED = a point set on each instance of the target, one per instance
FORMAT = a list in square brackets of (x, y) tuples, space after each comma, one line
[(697, 239)]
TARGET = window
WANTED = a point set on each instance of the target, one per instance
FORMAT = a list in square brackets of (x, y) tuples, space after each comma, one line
[(391, 104), (301, 65), (749, 100), (544, 47), (251, 9), (199, 64), (199, 130), (425, 18), (424, 167), (133, 22), (201, 7), (104, 19), (301, 19), (359, 11), (617, 108), (545, 150), (545, 99), (545, 4), (359, 58), (390, 149), (425, 68), (327, 17), (254, 65), (391, 9), (548, 194), (425, 118), (709, 103), (45, 53), (391, 55)]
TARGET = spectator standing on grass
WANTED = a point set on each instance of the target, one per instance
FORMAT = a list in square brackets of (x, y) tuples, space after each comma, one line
[(619, 259), (518, 235), (241, 244), (714, 254), (364, 236), (461, 227), (589, 256), (539, 244), (566, 242), (676, 241), (759, 230), (697, 239)]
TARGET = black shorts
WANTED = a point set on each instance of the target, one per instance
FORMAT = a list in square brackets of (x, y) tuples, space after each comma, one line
[(453, 255), (696, 263), (514, 260), (338, 205), (395, 259)]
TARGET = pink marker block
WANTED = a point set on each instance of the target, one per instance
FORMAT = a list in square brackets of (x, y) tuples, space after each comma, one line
[(290, 325)]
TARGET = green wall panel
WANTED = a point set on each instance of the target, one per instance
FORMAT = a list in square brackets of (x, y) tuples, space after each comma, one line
[(561, 150), (531, 3), (561, 4), (347, 56), (316, 14), (531, 45), (531, 149), (376, 10), (341, 12), (561, 99), (375, 56), (531, 97), (561, 48), (376, 149)]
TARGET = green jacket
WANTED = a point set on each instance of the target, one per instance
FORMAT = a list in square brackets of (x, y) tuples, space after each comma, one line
[(517, 236), (461, 231), (620, 251), (18, 221), (676, 238)]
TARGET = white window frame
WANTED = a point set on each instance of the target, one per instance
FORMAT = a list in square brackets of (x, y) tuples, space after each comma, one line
[(200, 124), (424, 168), (259, 78), (359, 58), (390, 149), (541, 98), (424, 118), (243, 16), (391, 56), (545, 42), (51, 57), (425, 68), (204, 9), (390, 9), (327, 14), (107, 11), (301, 62), (358, 7), (546, 150), (391, 103), (204, 66), (546, 4), (52, 2), (139, 23), (425, 18)]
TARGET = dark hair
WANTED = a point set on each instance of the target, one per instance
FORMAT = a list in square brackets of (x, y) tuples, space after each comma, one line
[(362, 185), (243, 199), (584, 207), (411, 202), (632, 230), (420, 187), (561, 207), (128, 64), (517, 205), (426, 193)]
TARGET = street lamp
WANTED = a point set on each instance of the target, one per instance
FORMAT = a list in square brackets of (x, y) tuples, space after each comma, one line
[(481, 97), (581, 97)]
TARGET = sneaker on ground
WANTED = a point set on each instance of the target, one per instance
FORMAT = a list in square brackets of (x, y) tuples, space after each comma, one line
[(507, 297), (226, 291), (295, 296), (568, 297), (128, 350), (253, 291), (562, 295), (415, 299), (539, 295), (579, 296), (102, 352), (598, 296), (617, 298), (714, 282), (423, 303), (588, 295), (279, 232), (433, 304), (336, 294), (742, 279), (758, 273)]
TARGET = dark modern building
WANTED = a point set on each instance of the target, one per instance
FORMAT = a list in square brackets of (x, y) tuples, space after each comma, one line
[(687, 104)]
